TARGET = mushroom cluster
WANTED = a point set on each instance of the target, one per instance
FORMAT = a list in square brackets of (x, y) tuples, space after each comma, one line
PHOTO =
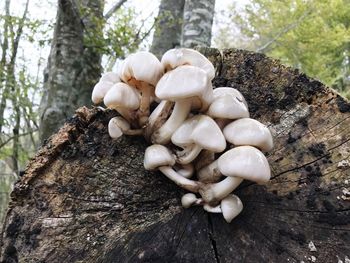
[(201, 138)]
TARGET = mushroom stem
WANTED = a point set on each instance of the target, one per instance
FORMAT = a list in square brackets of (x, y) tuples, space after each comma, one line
[(214, 193), (177, 117), (209, 173), (190, 185), (158, 117), (188, 154), (212, 209), (127, 114), (186, 170), (145, 101)]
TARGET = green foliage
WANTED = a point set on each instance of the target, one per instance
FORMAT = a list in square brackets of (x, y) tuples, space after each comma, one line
[(312, 35)]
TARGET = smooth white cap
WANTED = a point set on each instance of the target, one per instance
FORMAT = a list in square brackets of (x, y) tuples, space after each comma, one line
[(185, 56), (117, 126), (122, 95), (188, 199), (185, 82), (100, 90), (228, 103), (231, 206), (248, 131), (202, 131), (157, 155), (245, 162), (143, 66)]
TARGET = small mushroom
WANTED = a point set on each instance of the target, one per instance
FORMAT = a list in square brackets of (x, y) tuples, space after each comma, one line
[(247, 131), (159, 157), (190, 199), (118, 126), (230, 207), (104, 84), (142, 70), (123, 98), (187, 86), (197, 133), (185, 56), (228, 103), (243, 162)]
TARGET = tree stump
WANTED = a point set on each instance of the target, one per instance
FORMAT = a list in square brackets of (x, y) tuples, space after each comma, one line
[(87, 198)]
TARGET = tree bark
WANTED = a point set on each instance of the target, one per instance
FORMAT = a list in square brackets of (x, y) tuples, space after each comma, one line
[(87, 198), (167, 34), (197, 22), (74, 62)]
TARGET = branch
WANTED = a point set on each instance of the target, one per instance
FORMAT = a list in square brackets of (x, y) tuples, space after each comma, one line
[(17, 135), (282, 32), (114, 9)]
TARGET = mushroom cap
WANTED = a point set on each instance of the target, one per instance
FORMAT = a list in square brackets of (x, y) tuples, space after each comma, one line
[(248, 131), (157, 155), (122, 95), (201, 130), (246, 162), (188, 199), (185, 56), (184, 82), (110, 76), (142, 66), (228, 103), (117, 126), (231, 206), (100, 90)]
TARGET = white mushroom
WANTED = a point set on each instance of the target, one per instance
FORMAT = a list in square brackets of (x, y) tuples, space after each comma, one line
[(209, 173), (105, 83), (118, 126), (228, 103), (190, 199), (142, 70), (185, 56), (123, 98), (159, 157), (186, 170), (197, 133), (247, 131), (188, 86), (243, 162), (231, 206)]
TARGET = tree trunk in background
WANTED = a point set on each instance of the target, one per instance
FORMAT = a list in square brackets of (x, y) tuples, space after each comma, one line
[(74, 62), (87, 198), (197, 22), (167, 33)]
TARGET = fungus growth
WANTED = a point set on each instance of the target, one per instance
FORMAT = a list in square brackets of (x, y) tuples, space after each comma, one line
[(201, 138)]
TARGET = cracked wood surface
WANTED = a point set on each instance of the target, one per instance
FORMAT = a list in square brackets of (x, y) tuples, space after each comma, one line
[(87, 198)]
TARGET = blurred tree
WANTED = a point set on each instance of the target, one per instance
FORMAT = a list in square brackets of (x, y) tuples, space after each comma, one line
[(168, 27), (312, 35), (197, 22)]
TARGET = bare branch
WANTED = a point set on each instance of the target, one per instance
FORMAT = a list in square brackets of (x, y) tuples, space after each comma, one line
[(114, 9), (19, 135)]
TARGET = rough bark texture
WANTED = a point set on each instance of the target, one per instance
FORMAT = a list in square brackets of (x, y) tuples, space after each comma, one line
[(197, 22), (168, 26), (74, 62), (87, 198)]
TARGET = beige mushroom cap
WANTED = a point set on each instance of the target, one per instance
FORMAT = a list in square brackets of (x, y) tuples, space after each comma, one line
[(156, 156), (248, 131), (202, 131), (116, 126), (142, 66), (228, 103), (185, 56), (182, 83), (100, 90), (231, 207), (245, 162), (122, 95)]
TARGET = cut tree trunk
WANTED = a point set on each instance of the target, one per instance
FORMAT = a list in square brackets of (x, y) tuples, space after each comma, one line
[(87, 198)]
